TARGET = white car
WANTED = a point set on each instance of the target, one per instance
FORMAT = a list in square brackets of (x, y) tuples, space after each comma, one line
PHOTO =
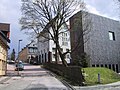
[(10, 62)]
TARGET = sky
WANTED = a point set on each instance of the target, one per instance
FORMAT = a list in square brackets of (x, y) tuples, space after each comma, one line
[(10, 13)]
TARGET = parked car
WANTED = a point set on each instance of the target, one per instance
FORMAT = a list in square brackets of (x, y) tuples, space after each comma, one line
[(19, 66), (10, 62)]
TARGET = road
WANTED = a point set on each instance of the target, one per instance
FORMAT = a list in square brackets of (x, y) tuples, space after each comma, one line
[(31, 78), (36, 78)]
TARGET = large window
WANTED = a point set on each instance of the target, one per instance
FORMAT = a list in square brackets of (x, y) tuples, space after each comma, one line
[(30, 50), (111, 35), (53, 49)]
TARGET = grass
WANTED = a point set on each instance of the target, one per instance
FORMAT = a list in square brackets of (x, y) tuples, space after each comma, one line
[(106, 75)]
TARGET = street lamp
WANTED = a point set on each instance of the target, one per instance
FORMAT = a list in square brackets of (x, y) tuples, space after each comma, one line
[(18, 54)]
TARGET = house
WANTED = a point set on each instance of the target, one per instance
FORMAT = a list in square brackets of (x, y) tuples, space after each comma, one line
[(29, 52), (103, 44), (4, 40), (46, 47)]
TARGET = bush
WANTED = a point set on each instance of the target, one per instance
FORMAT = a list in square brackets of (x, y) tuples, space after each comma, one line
[(82, 60), (72, 73)]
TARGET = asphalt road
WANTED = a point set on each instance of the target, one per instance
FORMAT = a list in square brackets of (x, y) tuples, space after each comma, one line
[(31, 78), (36, 78), (29, 71)]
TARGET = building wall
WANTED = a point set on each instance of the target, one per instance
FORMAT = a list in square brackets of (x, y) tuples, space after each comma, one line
[(47, 48), (23, 55), (103, 52), (4, 40), (3, 56), (5, 27), (43, 48), (76, 36), (28, 51), (32, 52)]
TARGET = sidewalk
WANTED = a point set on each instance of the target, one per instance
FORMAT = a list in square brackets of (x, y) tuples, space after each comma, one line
[(4, 79), (111, 86), (32, 78)]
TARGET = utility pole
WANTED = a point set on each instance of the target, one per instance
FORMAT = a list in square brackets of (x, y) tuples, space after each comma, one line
[(18, 55)]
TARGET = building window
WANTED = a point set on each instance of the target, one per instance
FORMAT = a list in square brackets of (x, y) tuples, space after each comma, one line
[(111, 35), (102, 65), (93, 65), (65, 43), (117, 69), (67, 50), (109, 66), (97, 65), (62, 43), (66, 34), (106, 65), (67, 56), (53, 49), (113, 67), (45, 57), (30, 50)]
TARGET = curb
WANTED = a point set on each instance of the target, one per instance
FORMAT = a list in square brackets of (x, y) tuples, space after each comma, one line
[(96, 87)]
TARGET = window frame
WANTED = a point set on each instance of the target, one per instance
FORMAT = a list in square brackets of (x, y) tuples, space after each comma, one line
[(111, 36)]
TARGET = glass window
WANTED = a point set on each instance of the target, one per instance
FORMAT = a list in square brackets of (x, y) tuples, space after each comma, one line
[(62, 43), (97, 65), (67, 56), (66, 34), (30, 50), (93, 65), (0, 48), (109, 66), (53, 49), (111, 35)]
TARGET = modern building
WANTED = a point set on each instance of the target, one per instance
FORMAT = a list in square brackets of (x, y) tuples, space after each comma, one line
[(46, 47), (29, 52), (103, 43), (4, 40)]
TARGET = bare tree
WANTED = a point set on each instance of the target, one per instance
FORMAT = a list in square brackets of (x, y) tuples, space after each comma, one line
[(48, 16), (117, 4), (119, 7)]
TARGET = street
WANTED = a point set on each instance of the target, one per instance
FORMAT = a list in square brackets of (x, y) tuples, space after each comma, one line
[(33, 77)]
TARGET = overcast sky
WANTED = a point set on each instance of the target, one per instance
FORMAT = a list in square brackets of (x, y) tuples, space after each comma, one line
[(10, 13)]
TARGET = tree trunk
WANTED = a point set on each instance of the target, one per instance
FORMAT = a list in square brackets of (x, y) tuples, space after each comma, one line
[(62, 56), (56, 55)]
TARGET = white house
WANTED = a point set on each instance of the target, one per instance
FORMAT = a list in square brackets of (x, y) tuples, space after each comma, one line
[(46, 48)]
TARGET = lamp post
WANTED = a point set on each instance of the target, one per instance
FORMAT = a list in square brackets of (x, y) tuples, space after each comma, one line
[(18, 54)]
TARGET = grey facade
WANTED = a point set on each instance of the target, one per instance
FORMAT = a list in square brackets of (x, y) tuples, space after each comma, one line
[(103, 45)]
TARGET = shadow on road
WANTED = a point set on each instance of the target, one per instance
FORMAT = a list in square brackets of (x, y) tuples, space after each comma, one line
[(27, 64)]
